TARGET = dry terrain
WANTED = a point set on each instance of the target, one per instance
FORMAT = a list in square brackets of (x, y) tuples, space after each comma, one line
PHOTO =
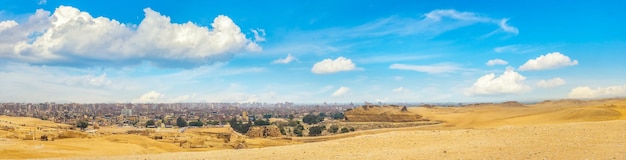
[(564, 129)]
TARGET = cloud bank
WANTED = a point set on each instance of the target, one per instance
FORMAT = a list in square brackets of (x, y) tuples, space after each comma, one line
[(599, 92), (550, 83), (69, 34)]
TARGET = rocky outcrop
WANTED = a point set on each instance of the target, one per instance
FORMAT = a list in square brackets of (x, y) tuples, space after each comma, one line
[(263, 131), (375, 113)]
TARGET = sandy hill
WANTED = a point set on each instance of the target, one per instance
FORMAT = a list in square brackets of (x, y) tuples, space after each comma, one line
[(564, 129), (375, 113)]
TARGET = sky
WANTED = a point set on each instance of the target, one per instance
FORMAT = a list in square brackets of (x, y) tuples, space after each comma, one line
[(310, 51)]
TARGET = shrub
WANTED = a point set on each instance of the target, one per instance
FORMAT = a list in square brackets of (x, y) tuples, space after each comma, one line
[(344, 130), (316, 130), (196, 123), (298, 130), (333, 129)]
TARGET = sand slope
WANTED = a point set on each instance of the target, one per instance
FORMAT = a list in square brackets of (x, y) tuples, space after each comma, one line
[(581, 140), (565, 129)]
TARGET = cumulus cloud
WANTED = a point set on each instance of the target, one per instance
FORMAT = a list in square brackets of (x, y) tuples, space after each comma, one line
[(285, 60), (150, 97), (400, 90), (496, 62), (599, 92), (90, 80), (327, 66), (431, 69), (510, 82), (69, 33), (341, 91), (551, 83), (552, 60)]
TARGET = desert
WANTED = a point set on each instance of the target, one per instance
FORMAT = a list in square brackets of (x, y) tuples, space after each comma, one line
[(561, 129)]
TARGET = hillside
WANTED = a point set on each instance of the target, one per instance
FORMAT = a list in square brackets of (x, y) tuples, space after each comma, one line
[(375, 113)]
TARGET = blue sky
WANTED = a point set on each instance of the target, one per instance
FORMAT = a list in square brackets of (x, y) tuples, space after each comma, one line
[(310, 51)]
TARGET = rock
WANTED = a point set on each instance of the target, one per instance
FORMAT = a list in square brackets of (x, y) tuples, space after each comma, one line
[(375, 113)]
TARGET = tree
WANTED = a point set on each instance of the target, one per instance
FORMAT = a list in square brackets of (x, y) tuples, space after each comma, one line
[(267, 116), (261, 122), (291, 117), (344, 130), (298, 130), (196, 123), (150, 123), (238, 126), (316, 130), (311, 119), (337, 115), (322, 114), (82, 124), (352, 129), (333, 129), (180, 122)]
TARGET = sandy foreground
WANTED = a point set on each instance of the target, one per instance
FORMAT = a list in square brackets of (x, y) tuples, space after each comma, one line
[(566, 129)]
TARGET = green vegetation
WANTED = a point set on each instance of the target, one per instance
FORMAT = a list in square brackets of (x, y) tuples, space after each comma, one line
[(312, 119), (196, 123), (333, 129), (344, 130), (82, 124), (210, 122), (261, 122), (238, 126), (150, 123), (298, 130), (316, 130), (180, 122), (337, 115)]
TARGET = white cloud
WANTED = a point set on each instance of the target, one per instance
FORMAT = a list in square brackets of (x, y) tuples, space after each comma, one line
[(400, 90), (89, 80), (69, 32), (285, 60), (259, 35), (510, 82), (599, 92), (332, 66), (496, 62), (7, 24), (506, 27), (150, 97), (552, 60), (469, 17), (341, 91), (551, 83), (431, 69), (42, 2)]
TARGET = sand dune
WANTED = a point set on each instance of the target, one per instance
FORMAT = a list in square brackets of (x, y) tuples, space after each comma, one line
[(565, 129)]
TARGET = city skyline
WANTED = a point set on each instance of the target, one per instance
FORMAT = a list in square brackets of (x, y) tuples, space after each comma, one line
[(310, 52)]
